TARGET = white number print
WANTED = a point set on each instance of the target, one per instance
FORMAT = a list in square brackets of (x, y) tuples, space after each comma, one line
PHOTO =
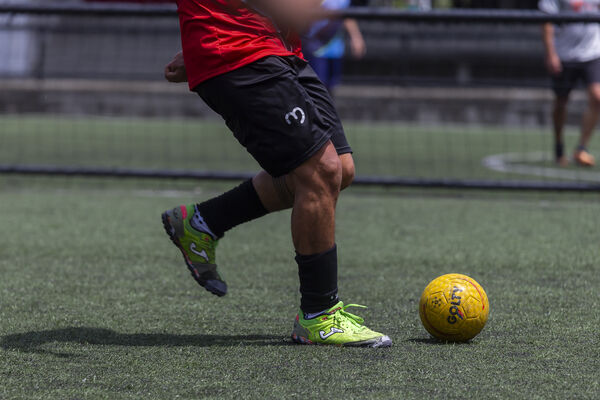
[(331, 332), (297, 114)]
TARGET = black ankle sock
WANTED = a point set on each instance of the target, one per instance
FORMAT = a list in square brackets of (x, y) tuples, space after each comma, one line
[(559, 150), (240, 204), (318, 280)]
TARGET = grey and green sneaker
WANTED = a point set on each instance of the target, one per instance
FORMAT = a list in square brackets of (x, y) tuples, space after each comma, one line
[(188, 231), (337, 327)]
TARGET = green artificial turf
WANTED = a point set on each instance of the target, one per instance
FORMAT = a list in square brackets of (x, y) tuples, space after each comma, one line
[(95, 302), (381, 149)]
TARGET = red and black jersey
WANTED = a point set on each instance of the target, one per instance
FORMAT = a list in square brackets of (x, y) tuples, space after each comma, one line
[(219, 36)]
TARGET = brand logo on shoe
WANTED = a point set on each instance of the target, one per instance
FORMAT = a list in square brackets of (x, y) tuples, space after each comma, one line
[(331, 332), (198, 253), (198, 223)]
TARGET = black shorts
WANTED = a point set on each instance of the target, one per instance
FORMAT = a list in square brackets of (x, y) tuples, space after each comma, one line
[(572, 73), (278, 109)]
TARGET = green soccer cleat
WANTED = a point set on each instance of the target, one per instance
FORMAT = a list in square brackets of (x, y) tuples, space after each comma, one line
[(197, 244), (338, 327)]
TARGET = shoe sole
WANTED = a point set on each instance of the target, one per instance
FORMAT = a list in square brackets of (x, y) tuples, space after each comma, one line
[(382, 341), (214, 286)]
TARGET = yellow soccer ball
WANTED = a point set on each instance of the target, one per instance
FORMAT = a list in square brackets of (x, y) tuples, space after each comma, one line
[(454, 308)]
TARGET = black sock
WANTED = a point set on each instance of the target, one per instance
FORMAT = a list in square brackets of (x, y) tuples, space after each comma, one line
[(318, 280), (240, 204), (559, 150)]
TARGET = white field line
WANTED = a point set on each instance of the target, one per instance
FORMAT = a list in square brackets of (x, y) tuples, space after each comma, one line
[(516, 163)]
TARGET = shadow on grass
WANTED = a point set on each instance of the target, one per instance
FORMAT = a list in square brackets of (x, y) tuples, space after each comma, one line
[(432, 341), (31, 342)]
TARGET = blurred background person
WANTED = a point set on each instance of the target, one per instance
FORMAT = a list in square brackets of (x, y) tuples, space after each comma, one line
[(518, 4), (324, 45), (573, 55), (423, 5)]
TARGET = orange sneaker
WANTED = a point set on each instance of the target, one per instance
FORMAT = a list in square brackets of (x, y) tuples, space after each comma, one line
[(584, 158)]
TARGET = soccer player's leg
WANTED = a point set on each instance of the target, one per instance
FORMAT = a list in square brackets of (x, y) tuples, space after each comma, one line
[(249, 100), (559, 115), (197, 243), (278, 193), (322, 317), (590, 117), (562, 85), (196, 229)]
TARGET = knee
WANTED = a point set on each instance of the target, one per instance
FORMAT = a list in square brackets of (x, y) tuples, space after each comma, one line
[(329, 172), (319, 176), (347, 170)]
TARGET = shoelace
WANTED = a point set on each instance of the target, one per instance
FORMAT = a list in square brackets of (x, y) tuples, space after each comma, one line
[(355, 319)]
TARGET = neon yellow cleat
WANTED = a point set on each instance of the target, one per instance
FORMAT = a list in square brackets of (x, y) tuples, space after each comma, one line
[(197, 244), (337, 327)]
